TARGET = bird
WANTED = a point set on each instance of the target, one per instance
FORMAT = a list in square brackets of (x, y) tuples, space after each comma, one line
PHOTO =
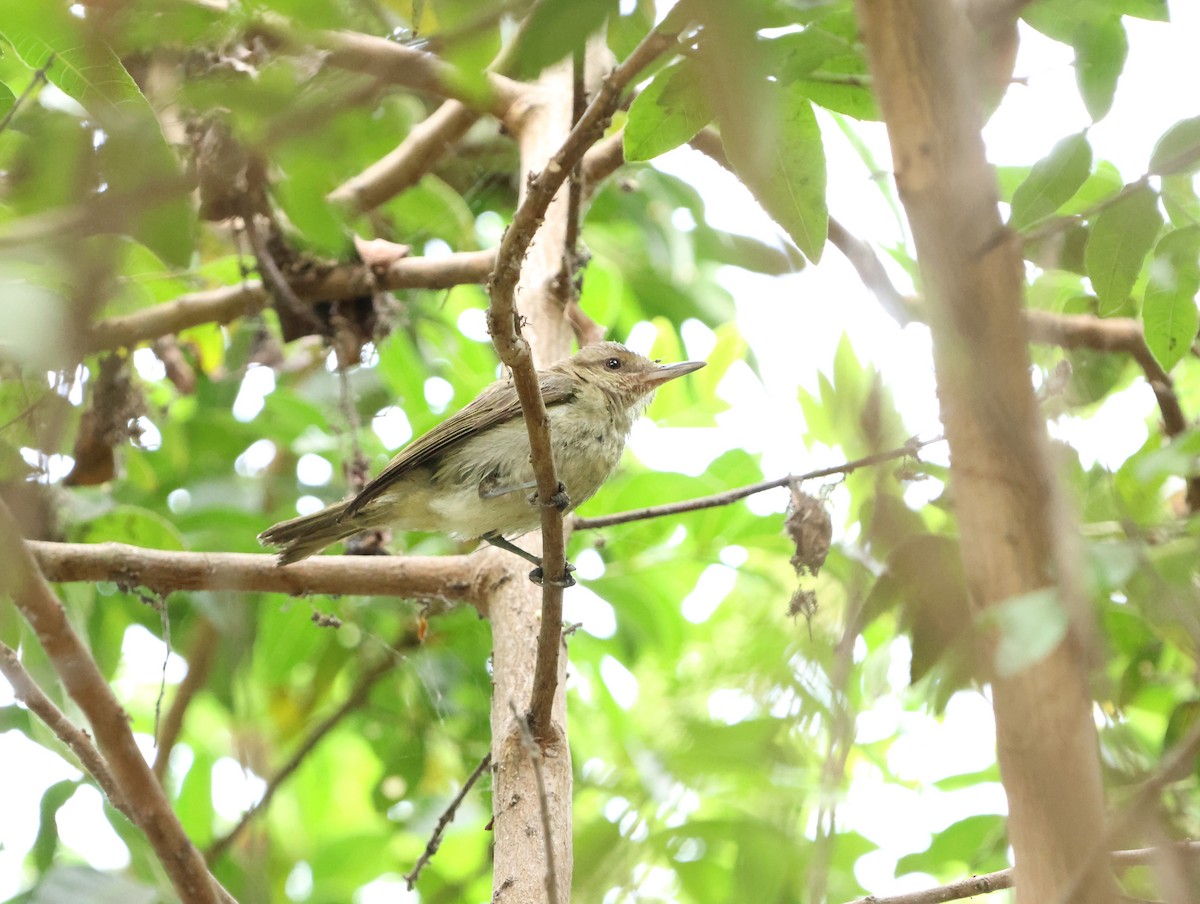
[(470, 475)]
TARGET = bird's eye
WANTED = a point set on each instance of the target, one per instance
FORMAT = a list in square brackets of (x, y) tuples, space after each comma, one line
[(613, 363)]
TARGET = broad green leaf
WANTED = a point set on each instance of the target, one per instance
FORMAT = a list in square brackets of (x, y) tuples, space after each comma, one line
[(7, 100), (1169, 315), (1180, 199), (1122, 236), (137, 159), (130, 524), (1178, 151), (553, 30), (46, 844), (1104, 182), (1052, 181), (1100, 51), (786, 170), (976, 842), (1029, 628), (68, 884), (669, 112)]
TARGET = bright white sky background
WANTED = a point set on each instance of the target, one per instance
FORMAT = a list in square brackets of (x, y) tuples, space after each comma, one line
[(794, 323)]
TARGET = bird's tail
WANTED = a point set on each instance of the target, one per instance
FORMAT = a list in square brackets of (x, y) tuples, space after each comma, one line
[(307, 535)]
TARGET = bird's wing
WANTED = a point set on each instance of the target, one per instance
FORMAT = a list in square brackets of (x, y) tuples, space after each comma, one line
[(497, 404)]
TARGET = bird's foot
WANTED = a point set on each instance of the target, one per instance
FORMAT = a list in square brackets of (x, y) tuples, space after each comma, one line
[(560, 500), (538, 576)]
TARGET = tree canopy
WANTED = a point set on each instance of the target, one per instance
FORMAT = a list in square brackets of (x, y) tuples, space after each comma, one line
[(249, 250)]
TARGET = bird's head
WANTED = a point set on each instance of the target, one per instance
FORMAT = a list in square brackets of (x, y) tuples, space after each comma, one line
[(626, 377)]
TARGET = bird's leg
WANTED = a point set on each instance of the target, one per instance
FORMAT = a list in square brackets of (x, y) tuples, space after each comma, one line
[(537, 575), (490, 487)]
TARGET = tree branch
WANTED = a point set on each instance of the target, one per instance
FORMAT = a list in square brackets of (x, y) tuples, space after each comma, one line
[(408, 640), (345, 281), (151, 812), (397, 64), (415, 156), (1015, 535), (989, 882), (80, 743), (514, 351), (726, 497), (449, 579), (435, 840)]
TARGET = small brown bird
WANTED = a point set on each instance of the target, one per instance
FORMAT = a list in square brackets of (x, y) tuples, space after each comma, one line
[(470, 475)]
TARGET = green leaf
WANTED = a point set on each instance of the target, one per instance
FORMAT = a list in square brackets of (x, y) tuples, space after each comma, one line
[(1100, 51), (1104, 182), (1030, 627), (46, 843), (1169, 315), (138, 161), (1052, 181), (1121, 237), (1178, 151), (786, 170), (974, 842), (133, 525), (553, 30), (669, 112)]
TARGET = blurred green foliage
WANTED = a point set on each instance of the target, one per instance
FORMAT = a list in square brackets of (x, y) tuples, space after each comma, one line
[(710, 737)]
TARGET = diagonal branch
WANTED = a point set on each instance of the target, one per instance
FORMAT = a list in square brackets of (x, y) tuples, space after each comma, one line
[(727, 497), (397, 64), (27, 691), (21, 579), (514, 351), (407, 641), (413, 158), (435, 840)]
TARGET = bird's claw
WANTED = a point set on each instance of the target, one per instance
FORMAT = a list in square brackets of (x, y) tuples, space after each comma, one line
[(560, 500), (538, 576)]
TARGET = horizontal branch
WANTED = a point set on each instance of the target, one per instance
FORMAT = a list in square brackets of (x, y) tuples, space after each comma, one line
[(341, 282), (989, 882), (449, 579), (727, 497)]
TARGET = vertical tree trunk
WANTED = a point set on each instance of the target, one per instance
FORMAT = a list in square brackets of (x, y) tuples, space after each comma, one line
[(515, 607), (920, 53)]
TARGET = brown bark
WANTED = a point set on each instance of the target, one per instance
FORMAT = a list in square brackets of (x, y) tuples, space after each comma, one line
[(1010, 525), (515, 609)]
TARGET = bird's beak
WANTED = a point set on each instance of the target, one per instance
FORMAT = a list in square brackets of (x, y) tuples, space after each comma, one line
[(664, 372)]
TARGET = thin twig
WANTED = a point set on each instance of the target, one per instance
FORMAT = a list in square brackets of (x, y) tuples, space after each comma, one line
[(356, 699), (80, 743), (989, 882), (39, 78), (435, 840), (727, 497), (200, 658), (534, 752)]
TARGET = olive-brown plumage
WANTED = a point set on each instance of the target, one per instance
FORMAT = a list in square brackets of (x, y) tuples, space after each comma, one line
[(471, 476)]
